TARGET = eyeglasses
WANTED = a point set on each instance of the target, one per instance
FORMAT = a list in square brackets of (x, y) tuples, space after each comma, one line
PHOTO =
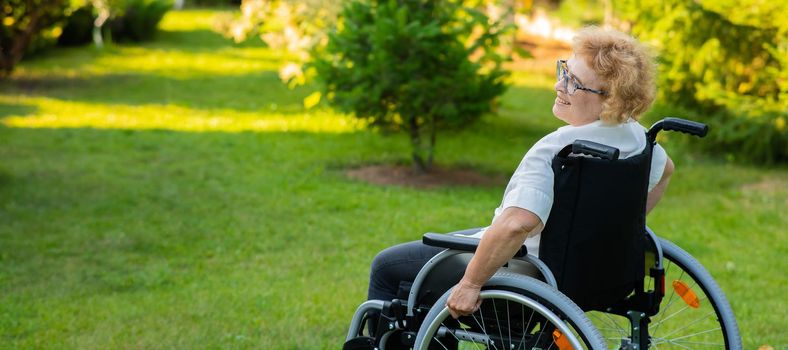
[(562, 74)]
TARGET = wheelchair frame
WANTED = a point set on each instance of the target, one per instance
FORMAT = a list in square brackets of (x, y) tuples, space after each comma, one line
[(413, 318)]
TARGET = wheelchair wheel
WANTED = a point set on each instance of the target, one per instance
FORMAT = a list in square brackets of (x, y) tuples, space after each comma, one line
[(693, 314), (517, 312)]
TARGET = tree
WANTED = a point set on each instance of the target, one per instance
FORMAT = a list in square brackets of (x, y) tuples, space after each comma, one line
[(22, 22), (414, 66), (727, 60)]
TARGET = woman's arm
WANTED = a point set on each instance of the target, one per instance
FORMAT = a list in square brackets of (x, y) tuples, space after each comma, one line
[(656, 193), (499, 243)]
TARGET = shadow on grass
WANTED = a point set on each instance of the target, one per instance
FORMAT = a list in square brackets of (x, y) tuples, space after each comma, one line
[(5, 178), (7, 110), (53, 60), (195, 40), (243, 92), (200, 40)]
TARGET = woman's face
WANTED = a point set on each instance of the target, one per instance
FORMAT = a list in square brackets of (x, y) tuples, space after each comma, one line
[(582, 107)]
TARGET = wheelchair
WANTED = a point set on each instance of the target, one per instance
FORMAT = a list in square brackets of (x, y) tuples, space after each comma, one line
[(603, 279)]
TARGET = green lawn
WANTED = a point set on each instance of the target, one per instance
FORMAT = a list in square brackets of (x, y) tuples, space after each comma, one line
[(176, 195)]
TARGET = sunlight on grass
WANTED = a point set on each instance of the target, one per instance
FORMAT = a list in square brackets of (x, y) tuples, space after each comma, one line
[(186, 47), (53, 113), (184, 64), (531, 80), (191, 20)]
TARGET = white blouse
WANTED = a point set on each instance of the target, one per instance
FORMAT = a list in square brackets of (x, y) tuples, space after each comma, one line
[(531, 185)]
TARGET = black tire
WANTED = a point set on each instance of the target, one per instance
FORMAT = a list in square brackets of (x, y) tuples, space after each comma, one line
[(547, 310), (679, 325)]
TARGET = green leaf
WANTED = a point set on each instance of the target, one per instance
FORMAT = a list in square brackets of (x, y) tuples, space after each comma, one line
[(312, 100)]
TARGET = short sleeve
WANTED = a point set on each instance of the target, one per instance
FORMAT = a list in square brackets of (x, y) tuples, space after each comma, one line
[(531, 185), (658, 160), (531, 199)]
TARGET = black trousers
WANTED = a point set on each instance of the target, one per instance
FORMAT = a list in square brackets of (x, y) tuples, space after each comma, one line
[(394, 269)]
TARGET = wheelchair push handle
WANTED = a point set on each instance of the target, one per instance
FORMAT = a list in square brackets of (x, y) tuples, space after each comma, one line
[(595, 149), (680, 125)]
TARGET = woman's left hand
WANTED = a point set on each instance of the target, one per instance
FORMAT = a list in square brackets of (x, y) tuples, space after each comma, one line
[(464, 299)]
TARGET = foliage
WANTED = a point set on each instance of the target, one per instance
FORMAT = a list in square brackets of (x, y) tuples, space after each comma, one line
[(139, 20), (414, 66), (127, 20), (77, 27), (729, 61), (578, 13), (23, 22), (297, 27), (213, 3)]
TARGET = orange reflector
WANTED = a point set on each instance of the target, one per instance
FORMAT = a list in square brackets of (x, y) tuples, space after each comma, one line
[(561, 341), (686, 294)]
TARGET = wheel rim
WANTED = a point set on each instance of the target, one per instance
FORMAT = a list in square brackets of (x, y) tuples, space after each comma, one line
[(687, 319), (505, 320)]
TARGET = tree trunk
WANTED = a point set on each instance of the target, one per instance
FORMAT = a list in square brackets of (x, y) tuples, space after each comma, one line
[(98, 24), (431, 146), (416, 145), (20, 44)]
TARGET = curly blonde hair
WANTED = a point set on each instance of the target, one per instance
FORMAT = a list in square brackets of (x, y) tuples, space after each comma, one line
[(625, 68)]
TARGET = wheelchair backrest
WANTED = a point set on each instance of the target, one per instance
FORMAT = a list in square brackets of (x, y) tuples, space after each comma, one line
[(593, 239)]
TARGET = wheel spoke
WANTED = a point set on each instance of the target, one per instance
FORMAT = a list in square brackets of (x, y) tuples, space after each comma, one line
[(693, 342), (670, 300), (509, 328), (526, 327), (481, 325), (474, 343), (609, 327), (497, 321), (449, 330), (690, 335), (441, 343), (613, 322), (481, 315), (674, 314), (672, 343), (541, 330)]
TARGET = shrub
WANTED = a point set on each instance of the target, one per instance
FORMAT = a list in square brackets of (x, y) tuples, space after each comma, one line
[(413, 66), (298, 27), (78, 27), (23, 22), (140, 20), (213, 3), (728, 60)]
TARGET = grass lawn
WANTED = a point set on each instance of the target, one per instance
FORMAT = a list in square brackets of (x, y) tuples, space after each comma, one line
[(176, 195)]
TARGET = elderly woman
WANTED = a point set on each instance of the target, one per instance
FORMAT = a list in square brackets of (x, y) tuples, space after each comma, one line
[(601, 91)]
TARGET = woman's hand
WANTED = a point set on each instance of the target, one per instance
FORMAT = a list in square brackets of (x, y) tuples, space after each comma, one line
[(504, 237), (464, 299)]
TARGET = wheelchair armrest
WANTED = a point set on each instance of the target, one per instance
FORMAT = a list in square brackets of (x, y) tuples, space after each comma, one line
[(467, 244)]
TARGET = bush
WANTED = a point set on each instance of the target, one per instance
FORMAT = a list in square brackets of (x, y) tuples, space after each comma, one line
[(405, 65), (139, 21), (78, 27), (728, 60), (213, 3), (23, 22)]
